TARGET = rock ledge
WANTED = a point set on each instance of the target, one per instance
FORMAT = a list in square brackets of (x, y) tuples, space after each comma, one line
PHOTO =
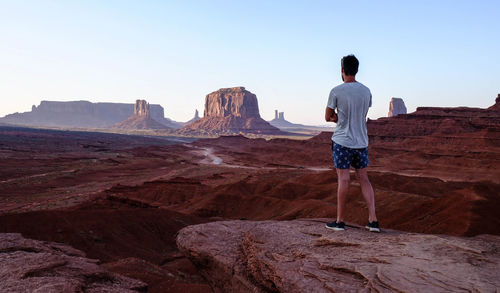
[(303, 256)]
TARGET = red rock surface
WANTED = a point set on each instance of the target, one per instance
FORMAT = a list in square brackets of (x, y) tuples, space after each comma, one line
[(36, 266), (303, 256), (448, 143), (230, 110)]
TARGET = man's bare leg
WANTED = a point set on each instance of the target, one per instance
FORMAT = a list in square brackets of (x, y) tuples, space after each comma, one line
[(342, 188), (368, 194)]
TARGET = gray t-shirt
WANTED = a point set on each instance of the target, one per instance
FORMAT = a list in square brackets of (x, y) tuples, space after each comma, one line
[(352, 100)]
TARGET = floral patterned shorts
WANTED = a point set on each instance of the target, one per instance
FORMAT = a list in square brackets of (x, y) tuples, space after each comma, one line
[(344, 157)]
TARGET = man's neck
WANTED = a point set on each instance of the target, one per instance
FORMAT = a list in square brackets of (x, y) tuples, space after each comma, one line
[(349, 78)]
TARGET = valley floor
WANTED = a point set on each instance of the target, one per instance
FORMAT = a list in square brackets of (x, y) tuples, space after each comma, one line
[(122, 199)]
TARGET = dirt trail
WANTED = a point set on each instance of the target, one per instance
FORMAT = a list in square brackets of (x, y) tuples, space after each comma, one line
[(37, 175), (212, 159)]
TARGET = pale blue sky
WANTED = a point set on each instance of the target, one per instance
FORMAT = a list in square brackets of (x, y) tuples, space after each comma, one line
[(173, 53)]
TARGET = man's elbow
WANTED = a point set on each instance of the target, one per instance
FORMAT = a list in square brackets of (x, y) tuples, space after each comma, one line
[(329, 114)]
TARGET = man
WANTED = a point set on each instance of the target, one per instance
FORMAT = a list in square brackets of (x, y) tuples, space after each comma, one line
[(350, 139)]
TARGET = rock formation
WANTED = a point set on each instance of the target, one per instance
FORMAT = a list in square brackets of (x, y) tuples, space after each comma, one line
[(280, 122), (279, 115), (396, 107), (141, 118), (195, 118), (37, 266), (438, 121), (141, 108), (303, 256), (496, 106), (230, 111), (82, 114), (236, 102)]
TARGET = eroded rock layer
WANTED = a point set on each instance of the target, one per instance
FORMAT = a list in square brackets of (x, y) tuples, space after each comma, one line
[(37, 266), (303, 256)]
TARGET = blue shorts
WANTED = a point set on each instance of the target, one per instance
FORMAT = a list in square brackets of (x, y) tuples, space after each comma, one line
[(344, 157)]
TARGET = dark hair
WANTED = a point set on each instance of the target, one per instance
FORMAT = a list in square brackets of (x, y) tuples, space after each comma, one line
[(350, 64)]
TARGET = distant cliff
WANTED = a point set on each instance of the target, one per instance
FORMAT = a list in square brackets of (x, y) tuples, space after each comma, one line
[(82, 114)]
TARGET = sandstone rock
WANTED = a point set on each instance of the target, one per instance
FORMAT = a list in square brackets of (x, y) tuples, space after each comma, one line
[(82, 114), (141, 118), (235, 101), (36, 266), (496, 106), (279, 115), (195, 118), (432, 120), (231, 111), (280, 122), (303, 256), (396, 107), (141, 108)]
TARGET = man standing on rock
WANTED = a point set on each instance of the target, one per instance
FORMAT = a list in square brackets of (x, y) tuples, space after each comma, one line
[(350, 139)]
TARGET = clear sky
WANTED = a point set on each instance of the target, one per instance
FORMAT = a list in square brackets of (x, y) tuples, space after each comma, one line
[(173, 53)]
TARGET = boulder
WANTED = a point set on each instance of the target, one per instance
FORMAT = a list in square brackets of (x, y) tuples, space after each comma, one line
[(303, 256), (396, 107), (37, 266)]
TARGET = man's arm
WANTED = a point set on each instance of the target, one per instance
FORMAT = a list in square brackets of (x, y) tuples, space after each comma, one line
[(330, 115)]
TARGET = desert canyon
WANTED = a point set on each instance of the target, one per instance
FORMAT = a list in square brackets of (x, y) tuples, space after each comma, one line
[(94, 212)]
